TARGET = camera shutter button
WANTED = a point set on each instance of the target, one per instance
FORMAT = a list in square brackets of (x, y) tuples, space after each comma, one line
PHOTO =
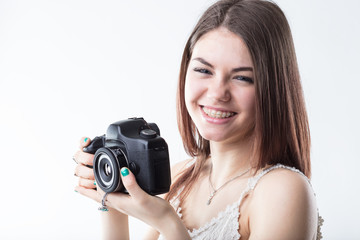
[(148, 133)]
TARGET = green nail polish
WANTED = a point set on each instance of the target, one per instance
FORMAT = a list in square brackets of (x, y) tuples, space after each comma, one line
[(94, 183), (124, 172), (75, 191), (85, 139)]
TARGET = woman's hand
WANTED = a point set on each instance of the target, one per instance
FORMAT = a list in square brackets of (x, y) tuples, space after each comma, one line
[(152, 210), (115, 224), (83, 168)]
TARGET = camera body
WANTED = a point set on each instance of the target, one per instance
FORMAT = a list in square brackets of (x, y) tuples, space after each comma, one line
[(135, 144)]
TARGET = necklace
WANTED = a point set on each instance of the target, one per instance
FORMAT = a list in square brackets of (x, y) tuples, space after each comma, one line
[(214, 191)]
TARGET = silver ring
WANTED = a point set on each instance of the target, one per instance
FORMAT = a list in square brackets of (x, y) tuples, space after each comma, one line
[(73, 158)]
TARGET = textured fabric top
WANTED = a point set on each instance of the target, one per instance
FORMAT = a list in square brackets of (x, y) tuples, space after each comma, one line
[(226, 224)]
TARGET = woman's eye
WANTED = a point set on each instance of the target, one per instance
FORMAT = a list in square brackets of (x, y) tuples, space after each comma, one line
[(245, 79), (202, 70)]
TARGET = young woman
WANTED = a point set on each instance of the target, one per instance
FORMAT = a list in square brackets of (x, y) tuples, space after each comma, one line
[(242, 117)]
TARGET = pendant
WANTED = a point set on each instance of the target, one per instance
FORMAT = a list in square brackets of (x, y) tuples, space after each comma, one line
[(210, 198)]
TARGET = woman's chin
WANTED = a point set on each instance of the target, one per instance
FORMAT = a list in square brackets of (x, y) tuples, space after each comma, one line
[(213, 137)]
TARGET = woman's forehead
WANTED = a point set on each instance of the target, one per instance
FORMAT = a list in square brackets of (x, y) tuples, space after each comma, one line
[(221, 46)]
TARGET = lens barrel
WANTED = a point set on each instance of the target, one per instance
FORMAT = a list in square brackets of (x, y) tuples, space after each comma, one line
[(107, 165)]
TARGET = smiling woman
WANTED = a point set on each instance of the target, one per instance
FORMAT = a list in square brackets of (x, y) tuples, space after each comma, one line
[(219, 90), (242, 118)]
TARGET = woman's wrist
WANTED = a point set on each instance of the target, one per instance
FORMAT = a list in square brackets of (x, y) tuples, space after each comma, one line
[(115, 224)]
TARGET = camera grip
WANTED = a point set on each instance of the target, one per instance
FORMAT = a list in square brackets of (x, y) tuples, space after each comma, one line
[(96, 143)]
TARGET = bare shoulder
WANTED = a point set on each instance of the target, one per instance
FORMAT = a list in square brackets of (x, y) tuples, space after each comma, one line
[(284, 183), (283, 206), (179, 167)]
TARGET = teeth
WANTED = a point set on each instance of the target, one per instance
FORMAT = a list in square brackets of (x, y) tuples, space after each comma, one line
[(217, 114)]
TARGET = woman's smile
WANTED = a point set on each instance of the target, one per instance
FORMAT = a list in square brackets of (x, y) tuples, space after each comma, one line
[(219, 87), (217, 113)]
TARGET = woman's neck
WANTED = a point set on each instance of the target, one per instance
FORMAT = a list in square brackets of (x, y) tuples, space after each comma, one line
[(229, 160)]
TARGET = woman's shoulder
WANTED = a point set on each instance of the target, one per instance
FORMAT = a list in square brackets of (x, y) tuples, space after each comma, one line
[(283, 181), (179, 167), (283, 196)]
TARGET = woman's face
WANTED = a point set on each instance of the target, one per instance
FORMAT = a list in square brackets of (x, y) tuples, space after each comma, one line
[(219, 87)]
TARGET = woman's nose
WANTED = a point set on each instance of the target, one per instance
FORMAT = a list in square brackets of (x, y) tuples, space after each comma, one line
[(218, 90)]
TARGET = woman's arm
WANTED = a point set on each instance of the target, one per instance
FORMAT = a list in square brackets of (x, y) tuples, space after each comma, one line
[(283, 207), (152, 210), (114, 223), (176, 169)]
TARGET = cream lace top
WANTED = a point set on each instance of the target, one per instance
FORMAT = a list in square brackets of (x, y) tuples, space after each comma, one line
[(226, 225)]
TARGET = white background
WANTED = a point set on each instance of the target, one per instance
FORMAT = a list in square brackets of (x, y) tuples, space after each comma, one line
[(70, 68)]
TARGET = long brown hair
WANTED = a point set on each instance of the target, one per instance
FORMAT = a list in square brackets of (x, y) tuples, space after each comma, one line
[(281, 126)]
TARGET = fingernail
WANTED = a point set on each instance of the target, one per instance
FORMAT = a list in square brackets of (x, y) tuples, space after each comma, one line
[(124, 172), (94, 183), (75, 191), (85, 140)]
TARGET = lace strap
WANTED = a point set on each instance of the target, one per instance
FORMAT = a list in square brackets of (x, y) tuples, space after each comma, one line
[(252, 182)]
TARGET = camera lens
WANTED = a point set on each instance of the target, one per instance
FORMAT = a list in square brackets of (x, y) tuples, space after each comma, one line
[(107, 165), (107, 170)]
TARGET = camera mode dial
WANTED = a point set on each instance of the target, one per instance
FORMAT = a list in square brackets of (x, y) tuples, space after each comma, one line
[(148, 133)]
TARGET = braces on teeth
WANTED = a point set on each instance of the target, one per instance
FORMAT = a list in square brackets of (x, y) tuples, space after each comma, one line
[(217, 114)]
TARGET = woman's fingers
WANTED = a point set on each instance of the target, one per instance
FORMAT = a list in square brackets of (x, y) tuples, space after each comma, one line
[(84, 141), (84, 158), (128, 203), (84, 172), (131, 185), (90, 193), (86, 183)]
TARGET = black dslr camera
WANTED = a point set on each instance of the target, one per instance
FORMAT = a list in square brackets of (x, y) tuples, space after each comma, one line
[(135, 144)]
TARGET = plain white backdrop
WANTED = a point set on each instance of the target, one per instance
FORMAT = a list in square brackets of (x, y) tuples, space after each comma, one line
[(70, 68)]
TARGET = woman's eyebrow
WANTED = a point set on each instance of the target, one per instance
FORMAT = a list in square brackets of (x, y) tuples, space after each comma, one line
[(242, 69), (235, 70), (203, 62)]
